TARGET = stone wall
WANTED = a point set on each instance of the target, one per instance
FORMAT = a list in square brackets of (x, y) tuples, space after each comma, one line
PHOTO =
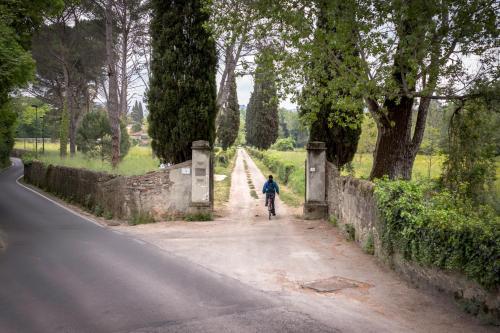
[(161, 193), (351, 202)]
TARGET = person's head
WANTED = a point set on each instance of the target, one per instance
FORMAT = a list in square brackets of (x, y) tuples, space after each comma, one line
[(270, 178)]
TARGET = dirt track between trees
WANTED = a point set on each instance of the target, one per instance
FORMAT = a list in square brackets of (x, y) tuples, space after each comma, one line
[(280, 257)]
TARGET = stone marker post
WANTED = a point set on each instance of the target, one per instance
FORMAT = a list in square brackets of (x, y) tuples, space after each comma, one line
[(315, 206), (200, 178)]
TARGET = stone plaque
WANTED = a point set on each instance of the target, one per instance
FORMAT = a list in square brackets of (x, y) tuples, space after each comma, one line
[(200, 172)]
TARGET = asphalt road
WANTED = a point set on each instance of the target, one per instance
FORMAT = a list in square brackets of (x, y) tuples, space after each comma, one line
[(62, 273)]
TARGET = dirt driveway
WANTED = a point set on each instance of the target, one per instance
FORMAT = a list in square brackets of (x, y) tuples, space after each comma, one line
[(282, 256)]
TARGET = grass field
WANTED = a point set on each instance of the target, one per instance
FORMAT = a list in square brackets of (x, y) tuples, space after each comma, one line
[(222, 188), (362, 164), (139, 160)]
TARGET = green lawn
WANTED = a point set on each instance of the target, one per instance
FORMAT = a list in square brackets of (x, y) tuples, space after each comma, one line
[(362, 164), (139, 160), (296, 180), (222, 188), (291, 197)]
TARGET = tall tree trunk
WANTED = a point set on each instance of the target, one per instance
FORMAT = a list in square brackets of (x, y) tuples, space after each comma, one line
[(231, 60), (72, 135), (113, 110), (393, 154), (63, 131), (124, 54), (124, 83)]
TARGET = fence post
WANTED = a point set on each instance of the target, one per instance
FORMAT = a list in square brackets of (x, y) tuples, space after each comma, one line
[(315, 205), (201, 179)]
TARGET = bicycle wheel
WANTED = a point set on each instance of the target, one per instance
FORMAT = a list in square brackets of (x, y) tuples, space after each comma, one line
[(270, 208)]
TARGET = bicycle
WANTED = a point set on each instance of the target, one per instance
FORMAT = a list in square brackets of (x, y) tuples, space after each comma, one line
[(270, 205)]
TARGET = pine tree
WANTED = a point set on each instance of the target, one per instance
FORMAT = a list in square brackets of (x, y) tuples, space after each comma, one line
[(64, 132), (229, 119), (262, 124), (182, 90)]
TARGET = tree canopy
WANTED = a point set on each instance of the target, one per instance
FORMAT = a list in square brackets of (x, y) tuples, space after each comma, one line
[(182, 91), (18, 20), (390, 57), (94, 136), (262, 123), (229, 118)]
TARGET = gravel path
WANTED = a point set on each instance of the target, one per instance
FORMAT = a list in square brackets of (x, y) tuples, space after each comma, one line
[(283, 256)]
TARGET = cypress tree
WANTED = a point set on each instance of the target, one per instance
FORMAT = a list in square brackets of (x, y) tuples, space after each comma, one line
[(137, 113), (182, 92), (262, 125), (229, 119), (341, 135)]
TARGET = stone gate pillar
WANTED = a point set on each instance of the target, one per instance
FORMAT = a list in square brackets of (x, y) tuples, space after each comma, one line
[(201, 198), (315, 206)]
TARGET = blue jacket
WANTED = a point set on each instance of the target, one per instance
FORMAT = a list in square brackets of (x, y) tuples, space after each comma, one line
[(271, 187)]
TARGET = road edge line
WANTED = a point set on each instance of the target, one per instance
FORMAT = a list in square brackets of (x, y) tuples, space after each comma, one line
[(58, 204)]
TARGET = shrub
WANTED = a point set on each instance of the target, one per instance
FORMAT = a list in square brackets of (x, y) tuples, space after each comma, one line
[(223, 157), (27, 158), (350, 232), (199, 217), (98, 210), (369, 246), (94, 136), (136, 127), (141, 218), (7, 124), (435, 229), (333, 220), (284, 144)]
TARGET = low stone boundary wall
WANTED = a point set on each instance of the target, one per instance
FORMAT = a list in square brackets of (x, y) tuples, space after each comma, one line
[(162, 193), (351, 202)]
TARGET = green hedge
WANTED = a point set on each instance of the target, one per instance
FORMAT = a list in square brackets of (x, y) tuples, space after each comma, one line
[(223, 157), (435, 229), (284, 144), (282, 169)]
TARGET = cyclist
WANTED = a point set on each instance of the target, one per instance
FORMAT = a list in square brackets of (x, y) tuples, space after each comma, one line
[(270, 188)]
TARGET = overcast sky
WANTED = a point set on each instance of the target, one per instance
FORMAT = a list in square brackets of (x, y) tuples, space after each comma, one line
[(244, 89)]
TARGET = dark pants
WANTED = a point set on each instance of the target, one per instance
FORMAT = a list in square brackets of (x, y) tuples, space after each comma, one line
[(270, 195)]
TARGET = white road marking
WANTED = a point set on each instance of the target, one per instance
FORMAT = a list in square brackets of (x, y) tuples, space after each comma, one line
[(139, 241), (58, 204), (117, 232)]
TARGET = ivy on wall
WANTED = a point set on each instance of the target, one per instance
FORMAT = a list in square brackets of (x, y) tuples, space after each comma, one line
[(436, 229)]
